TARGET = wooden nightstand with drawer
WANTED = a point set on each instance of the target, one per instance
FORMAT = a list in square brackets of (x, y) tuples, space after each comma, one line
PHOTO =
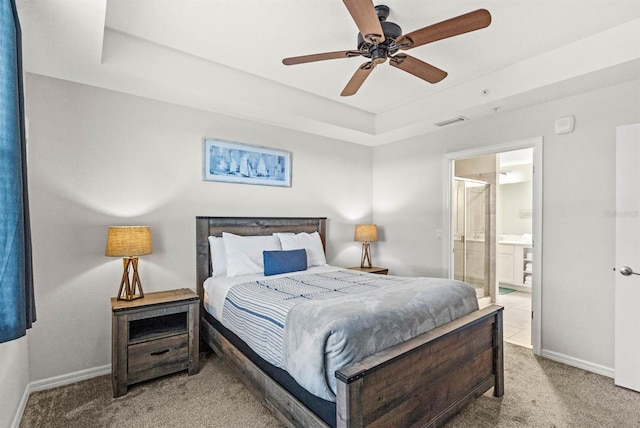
[(154, 336)]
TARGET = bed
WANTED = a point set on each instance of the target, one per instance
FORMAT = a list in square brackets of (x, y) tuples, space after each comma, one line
[(422, 381)]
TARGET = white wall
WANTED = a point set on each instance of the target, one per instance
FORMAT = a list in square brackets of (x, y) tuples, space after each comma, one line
[(100, 158), (14, 378), (579, 188)]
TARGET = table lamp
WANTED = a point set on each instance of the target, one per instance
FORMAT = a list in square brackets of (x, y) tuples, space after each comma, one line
[(366, 233), (129, 242)]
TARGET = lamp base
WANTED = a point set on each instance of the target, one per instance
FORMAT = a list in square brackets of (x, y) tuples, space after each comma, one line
[(130, 280), (366, 255)]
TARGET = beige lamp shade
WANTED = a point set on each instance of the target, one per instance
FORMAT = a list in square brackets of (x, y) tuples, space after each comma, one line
[(128, 241), (366, 233)]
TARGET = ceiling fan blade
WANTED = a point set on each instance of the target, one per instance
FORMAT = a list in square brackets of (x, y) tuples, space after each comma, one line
[(364, 14), (320, 57), (418, 68), (358, 79), (471, 21)]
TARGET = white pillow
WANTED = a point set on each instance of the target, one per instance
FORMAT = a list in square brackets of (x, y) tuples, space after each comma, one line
[(218, 256), (244, 253), (311, 242)]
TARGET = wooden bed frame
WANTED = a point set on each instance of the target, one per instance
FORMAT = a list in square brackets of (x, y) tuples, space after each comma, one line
[(422, 382)]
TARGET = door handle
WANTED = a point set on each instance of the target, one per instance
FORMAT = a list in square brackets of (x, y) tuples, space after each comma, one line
[(627, 271)]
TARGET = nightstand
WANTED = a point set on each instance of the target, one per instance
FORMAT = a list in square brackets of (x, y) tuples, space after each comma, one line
[(378, 270), (154, 336)]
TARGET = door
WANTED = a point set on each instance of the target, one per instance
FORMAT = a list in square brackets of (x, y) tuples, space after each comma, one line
[(627, 283)]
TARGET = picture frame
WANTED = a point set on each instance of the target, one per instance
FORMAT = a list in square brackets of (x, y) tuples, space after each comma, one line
[(232, 162)]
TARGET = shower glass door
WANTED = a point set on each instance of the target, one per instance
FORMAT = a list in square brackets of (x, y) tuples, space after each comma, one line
[(470, 226)]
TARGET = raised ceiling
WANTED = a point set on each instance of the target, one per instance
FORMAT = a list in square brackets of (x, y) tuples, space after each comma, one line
[(225, 56)]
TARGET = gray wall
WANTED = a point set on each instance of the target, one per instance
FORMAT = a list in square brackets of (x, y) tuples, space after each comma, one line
[(14, 378), (579, 188), (100, 158)]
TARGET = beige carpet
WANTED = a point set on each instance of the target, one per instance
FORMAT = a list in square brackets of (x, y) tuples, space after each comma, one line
[(539, 393)]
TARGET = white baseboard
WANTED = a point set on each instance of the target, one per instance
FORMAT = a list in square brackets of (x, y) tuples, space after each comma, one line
[(54, 382), (581, 364), (23, 403)]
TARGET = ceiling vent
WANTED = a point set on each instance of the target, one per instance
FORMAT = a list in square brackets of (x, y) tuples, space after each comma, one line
[(451, 121)]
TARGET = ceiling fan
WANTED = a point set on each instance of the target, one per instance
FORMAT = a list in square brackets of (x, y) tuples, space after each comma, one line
[(380, 40)]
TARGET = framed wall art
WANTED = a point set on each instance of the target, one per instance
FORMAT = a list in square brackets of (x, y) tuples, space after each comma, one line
[(233, 162)]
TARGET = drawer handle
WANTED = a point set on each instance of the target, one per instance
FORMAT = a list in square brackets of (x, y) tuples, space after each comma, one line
[(160, 352)]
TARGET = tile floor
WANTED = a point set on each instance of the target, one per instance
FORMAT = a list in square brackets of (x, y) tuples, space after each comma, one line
[(517, 318)]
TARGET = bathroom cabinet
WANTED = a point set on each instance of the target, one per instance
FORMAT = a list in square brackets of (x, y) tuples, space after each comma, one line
[(515, 263)]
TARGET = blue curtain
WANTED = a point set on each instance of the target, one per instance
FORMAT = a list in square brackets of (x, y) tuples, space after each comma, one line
[(17, 306)]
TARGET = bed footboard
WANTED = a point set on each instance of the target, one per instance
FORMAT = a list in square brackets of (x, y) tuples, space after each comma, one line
[(421, 382), (425, 381)]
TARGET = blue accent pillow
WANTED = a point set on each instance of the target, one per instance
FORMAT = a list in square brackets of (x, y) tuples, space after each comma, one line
[(276, 262)]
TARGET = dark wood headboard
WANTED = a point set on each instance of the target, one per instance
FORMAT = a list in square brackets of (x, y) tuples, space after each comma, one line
[(248, 226)]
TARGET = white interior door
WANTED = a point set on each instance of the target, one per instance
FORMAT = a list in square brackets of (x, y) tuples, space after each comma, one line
[(627, 297)]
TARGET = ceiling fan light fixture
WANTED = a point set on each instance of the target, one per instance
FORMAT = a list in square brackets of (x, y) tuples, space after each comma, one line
[(379, 40)]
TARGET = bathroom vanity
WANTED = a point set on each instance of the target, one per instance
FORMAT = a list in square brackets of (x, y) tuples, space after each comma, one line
[(515, 264)]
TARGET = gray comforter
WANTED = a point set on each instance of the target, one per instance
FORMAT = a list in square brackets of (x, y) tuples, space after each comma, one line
[(322, 336), (312, 324)]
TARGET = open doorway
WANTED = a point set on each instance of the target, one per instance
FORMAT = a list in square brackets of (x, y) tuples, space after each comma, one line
[(495, 220)]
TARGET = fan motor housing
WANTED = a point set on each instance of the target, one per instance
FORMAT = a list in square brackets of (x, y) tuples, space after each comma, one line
[(379, 53), (391, 33)]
